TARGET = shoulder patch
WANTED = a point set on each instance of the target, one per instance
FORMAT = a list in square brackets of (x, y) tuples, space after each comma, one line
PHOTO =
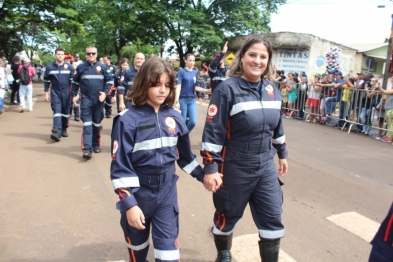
[(212, 110), (171, 123)]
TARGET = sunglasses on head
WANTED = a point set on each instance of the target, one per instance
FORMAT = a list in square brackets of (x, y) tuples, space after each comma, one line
[(91, 53)]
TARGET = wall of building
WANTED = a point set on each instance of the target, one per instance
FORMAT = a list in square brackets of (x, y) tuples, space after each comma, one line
[(295, 52)]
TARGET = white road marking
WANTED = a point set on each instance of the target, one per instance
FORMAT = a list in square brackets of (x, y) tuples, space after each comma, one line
[(357, 224), (245, 248)]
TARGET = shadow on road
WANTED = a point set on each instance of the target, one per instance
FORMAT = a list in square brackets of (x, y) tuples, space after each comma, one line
[(112, 251), (73, 152), (44, 137)]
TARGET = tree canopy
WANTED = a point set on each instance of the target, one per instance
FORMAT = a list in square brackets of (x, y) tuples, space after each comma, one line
[(193, 25)]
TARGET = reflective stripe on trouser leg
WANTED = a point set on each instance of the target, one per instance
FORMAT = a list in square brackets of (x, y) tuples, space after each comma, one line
[(86, 116), (137, 241), (246, 176), (266, 204), (165, 224), (108, 105), (60, 106), (97, 118), (65, 109)]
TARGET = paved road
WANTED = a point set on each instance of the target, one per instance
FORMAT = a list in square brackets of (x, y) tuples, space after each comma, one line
[(55, 206)]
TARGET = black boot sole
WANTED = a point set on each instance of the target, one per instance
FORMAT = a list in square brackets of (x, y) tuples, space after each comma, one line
[(54, 138)]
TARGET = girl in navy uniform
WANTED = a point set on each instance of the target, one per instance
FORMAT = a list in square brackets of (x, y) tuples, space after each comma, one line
[(243, 132), (147, 139)]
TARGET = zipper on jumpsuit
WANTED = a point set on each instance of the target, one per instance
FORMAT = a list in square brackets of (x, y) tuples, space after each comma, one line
[(159, 132), (263, 111)]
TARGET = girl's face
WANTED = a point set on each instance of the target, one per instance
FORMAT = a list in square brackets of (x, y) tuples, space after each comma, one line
[(255, 61), (190, 61), (290, 76), (156, 95), (124, 66)]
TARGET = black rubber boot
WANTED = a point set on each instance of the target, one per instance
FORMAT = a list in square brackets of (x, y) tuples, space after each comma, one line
[(269, 250), (223, 245)]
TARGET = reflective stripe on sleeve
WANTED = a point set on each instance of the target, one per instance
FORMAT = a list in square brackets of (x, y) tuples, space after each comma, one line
[(155, 143), (65, 71), (279, 140), (167, 254), (123, 112), (96, 125), (211, 147), (108, 104), (271, 234), (191, 166), (139, 247), (92, 77), (89, 123), (130, 83), (217, 78), (48, 81), (125, 182), (110, 82), (59, 114), (211, 70), (53, 72)]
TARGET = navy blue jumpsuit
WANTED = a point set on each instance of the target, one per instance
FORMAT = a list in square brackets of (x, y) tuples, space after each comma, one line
[(216, 73), (145, 146), (118, 79), (382, 250), (59, 78), (242, 134), (91, 80), (126, 85), (108, 99)]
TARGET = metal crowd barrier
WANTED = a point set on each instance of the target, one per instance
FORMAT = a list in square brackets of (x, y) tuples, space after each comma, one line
[(354, 108)]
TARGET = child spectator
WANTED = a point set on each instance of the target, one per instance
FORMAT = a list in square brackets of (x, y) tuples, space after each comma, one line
[(388, 113), (369, 103), (313, 98), (291, 87), (380, 112)]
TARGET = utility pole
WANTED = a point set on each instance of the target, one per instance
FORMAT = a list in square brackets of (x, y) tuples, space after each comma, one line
[(387, 63)]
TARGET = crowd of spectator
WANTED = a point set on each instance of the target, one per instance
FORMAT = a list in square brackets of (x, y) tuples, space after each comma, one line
[(348, 100)]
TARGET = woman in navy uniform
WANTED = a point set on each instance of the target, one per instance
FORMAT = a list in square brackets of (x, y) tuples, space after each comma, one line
[(242, 134), (147, 139), (382, 250)]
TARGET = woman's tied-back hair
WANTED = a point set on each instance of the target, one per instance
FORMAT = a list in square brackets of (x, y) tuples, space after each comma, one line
[(148, 76), (237, 67), (122, 61)]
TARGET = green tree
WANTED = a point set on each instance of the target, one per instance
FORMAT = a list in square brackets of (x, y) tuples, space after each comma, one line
[(198, 25), (18, 16)]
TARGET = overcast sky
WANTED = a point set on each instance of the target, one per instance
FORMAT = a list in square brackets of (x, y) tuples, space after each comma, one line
[(340, 21)]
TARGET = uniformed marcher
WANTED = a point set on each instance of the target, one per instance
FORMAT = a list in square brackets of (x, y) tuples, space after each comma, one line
[(58, 77), (382, 250), (118, 78), (108, 100), (217, 68), (147, 139), (242, 134), (94, 82), (129, 76)]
